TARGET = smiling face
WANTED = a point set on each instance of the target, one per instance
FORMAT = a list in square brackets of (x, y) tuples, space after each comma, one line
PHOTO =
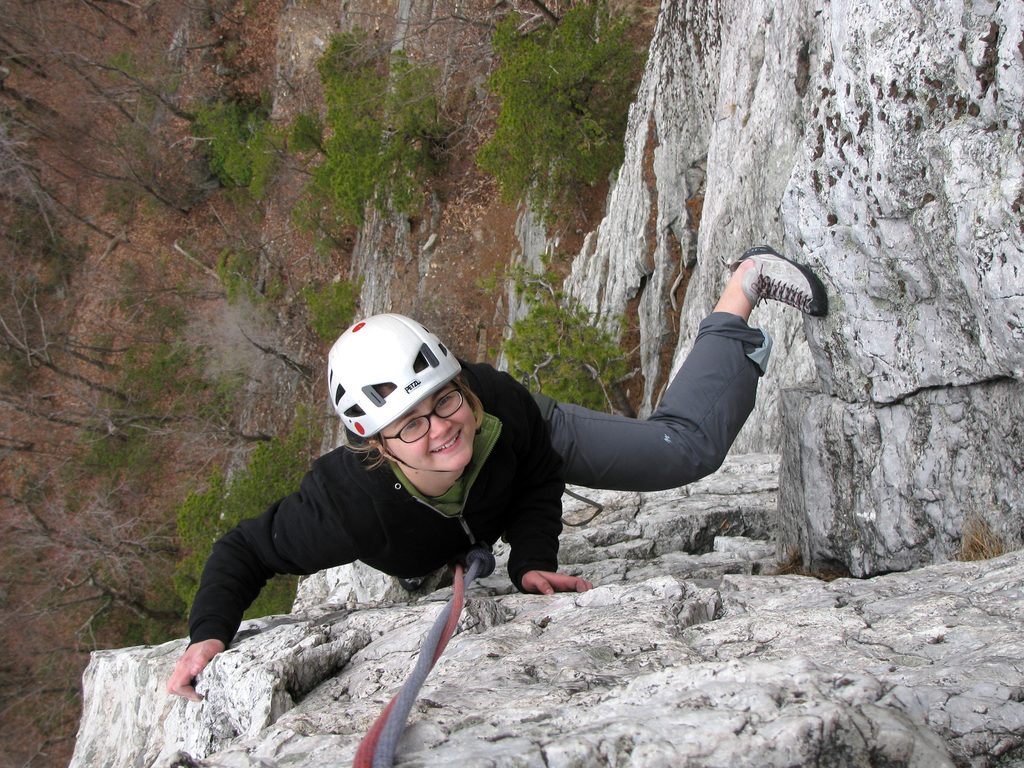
[(435, 461)]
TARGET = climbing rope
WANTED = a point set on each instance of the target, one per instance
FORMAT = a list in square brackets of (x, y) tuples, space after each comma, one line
[(377, 749)]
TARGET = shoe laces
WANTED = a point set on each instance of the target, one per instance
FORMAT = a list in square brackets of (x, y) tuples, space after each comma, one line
[(778, 290)]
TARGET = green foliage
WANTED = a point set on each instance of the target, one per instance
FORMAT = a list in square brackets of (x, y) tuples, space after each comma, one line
[(240, 145), (165, 319), (127, 452), (15, 368), (383, 128), (39, 270), (559, 349), (414, 131), (127, 628), (274, 471), (565, 92), (125, 62), (237, 271), (159, 381), (307, 133), (328, 226), (489, 284), (121, 199), (331, 307), (229, 52), (149, 374), (223, 395), (54, 257)]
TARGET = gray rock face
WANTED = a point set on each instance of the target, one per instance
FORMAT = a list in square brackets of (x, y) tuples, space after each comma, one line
[(882, 145), (712, 140), (383, 241), (908, 195), (916, 475), (674, 658), (909, 190)]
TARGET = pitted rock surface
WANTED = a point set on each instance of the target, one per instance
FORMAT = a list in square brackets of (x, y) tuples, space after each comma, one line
[(699, 658)]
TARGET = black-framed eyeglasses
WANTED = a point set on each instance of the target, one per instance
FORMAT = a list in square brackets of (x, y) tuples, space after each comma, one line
[(417, 429)]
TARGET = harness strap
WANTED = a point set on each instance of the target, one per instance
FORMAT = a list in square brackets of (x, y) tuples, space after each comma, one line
[(589, 502)]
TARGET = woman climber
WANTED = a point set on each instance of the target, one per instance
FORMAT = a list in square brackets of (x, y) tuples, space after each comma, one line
[(446, 455)]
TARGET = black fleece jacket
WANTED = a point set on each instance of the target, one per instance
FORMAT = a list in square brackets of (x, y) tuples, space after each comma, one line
[(344, 512)]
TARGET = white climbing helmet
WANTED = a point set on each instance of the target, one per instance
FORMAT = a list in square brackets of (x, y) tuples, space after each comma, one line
[(381, 367)]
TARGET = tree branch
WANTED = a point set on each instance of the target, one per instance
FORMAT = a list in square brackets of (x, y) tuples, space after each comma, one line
[(545, 11), (305, 370)]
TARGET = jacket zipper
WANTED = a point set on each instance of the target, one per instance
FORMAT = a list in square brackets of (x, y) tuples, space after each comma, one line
[(459, 517)]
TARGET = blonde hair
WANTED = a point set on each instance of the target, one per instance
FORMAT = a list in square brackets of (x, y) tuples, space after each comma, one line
[(372, 446)]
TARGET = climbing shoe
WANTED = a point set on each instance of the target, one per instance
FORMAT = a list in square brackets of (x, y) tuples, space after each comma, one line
[(775, 278)]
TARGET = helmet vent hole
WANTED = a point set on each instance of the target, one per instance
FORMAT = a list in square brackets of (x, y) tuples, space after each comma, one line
[(338, 394), (425, 359), (378, 393), (355, 412)]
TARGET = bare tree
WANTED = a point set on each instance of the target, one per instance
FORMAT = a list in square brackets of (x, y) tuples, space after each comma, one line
[(100, 563), (19, 178)]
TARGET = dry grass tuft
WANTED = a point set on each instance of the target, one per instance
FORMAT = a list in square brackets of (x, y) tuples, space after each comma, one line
[(979, 541)]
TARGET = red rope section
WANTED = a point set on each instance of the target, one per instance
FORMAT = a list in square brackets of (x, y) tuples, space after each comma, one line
[(368, 746), (457, 601)]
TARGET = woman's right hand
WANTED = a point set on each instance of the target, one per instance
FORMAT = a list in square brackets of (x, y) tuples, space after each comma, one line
[(191, 663), (548, 583)]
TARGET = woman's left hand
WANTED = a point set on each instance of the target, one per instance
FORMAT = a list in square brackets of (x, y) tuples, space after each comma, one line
[(547, 583)]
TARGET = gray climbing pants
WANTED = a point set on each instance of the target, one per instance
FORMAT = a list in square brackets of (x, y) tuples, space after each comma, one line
[(688, 435)]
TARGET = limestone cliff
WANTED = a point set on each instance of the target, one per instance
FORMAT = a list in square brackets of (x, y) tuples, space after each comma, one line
[(908, 191), (881, 143), (673, 659)]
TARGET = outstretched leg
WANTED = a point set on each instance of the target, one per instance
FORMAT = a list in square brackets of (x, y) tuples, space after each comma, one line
[(689, 434)]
